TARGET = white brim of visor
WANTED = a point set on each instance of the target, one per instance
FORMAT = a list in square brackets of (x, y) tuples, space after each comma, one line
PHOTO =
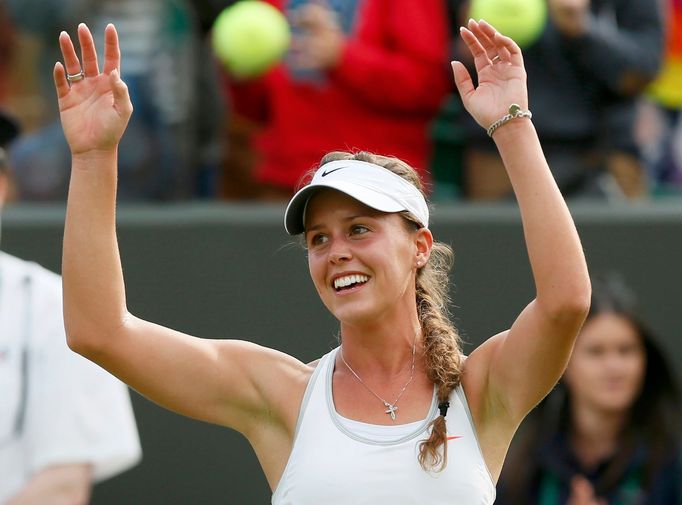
[(370, 184)]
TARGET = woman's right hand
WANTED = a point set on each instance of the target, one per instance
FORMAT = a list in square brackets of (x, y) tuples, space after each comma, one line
[(94, 110)]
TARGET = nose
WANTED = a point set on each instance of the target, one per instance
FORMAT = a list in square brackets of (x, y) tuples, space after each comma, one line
[(339, 251)]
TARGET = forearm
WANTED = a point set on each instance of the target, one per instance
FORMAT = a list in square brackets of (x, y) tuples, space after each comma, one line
[(554, 248), (57, 485), (94, 296)]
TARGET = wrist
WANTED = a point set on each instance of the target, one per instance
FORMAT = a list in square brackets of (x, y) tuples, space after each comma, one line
[(515, 112), (93, 155), (93, 159), (514, 133)]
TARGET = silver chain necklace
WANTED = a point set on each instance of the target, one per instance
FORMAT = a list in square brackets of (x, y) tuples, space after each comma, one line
[(391, 408)]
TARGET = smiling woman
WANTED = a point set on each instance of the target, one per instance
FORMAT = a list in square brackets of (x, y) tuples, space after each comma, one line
[(610, 432), (373, 419)]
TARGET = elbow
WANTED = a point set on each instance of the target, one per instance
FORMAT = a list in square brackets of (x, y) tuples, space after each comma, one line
[(91, 340), (78, 341), (572, 306)]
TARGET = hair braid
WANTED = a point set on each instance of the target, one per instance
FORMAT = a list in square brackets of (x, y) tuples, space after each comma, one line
[(442, 351)]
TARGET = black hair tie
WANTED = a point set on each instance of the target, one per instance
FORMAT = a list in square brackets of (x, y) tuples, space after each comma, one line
[(443, 407)]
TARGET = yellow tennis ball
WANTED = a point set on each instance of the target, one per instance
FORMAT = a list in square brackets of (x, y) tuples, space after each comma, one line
[(522, 20), (249, 37)]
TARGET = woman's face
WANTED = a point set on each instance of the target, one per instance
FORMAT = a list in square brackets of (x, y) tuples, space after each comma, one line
[(362, 261), (607, 367)]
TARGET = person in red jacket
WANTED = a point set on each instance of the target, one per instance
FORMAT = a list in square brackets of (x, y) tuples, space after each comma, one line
[(361, 75)]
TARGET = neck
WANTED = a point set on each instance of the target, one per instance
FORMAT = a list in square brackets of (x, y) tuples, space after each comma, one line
[(380, 350), (595, 434)]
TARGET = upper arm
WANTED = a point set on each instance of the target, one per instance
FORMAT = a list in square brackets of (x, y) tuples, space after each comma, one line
[(512, 371), (227, 382)]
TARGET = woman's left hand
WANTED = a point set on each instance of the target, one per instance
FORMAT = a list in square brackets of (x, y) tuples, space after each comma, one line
[(501, 74)]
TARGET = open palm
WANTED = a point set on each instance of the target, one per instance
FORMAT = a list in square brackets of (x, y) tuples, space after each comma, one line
[(94, 110), (501, 74)]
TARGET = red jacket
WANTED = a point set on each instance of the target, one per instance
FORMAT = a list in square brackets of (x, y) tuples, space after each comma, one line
[(392, 78)]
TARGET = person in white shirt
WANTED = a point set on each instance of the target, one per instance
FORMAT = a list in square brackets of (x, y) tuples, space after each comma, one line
[(64, 422), (369, 422)]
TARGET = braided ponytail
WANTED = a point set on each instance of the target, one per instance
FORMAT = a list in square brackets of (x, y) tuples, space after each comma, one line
[(442, 351)]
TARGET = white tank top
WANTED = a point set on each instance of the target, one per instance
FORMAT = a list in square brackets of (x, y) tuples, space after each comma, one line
[(338, 461)]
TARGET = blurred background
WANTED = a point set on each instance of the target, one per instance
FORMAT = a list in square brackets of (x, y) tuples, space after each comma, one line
[(217, 144)]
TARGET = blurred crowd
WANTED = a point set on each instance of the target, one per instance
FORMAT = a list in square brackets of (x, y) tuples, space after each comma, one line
[(605, 84)]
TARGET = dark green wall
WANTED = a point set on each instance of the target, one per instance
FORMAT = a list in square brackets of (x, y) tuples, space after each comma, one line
[(231, 272)]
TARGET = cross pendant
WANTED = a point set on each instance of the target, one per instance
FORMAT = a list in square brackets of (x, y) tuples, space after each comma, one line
[(391, 410)]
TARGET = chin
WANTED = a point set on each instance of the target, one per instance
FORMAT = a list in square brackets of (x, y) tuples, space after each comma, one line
[(355, 313)]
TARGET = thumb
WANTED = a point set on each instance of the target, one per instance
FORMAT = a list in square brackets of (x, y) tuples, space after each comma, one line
[(463, 81), (120, 91)]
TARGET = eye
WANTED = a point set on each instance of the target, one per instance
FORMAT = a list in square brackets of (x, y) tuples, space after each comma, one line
[(628, 349), (594, 351), (358, 229), (317, 239)]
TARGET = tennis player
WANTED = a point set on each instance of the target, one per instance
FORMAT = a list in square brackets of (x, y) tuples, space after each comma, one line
[(396, 413)]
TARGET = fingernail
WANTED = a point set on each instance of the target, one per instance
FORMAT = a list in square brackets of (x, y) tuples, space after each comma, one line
[(114, 72)]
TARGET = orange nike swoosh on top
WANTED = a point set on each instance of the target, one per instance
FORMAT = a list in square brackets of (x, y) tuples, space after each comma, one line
[(455, 437)]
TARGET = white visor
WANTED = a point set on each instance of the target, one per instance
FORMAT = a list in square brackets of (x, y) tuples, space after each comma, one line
[(370, 184)]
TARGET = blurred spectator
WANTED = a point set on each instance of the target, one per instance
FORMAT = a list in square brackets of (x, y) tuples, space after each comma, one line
[(661, 118), (585, 73), (609, 433), (362, 74), (64, 422), (172, 142), (6, 46)]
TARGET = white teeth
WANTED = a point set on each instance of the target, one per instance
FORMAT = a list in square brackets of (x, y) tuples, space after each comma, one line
[(342, 282)]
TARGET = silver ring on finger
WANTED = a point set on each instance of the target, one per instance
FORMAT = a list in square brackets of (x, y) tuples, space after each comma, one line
[(495, 59), (79, 76)]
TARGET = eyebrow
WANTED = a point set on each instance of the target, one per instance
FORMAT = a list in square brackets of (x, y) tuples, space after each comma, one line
[(349, 218)]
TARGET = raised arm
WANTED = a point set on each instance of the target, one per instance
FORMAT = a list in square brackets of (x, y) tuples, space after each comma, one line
[(511, 372), (225, 382)]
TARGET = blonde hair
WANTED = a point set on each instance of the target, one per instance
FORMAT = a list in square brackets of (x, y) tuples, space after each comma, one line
[(442, 350)]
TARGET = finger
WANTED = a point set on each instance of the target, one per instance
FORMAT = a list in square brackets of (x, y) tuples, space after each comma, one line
[(60, 82), (505, 47), (112, 50), (504, 54), (515, 56), (481, 59), (71, 63), (88, 51), (465, 85), (485, 38)]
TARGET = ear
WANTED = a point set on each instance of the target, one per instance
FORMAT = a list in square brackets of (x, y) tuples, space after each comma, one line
[(424, 242)]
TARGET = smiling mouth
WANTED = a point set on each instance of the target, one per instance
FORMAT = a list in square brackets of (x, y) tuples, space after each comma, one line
[(349, 281)]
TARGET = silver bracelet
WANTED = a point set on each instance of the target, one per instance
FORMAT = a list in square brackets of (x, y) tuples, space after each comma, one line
[(515, 111)]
